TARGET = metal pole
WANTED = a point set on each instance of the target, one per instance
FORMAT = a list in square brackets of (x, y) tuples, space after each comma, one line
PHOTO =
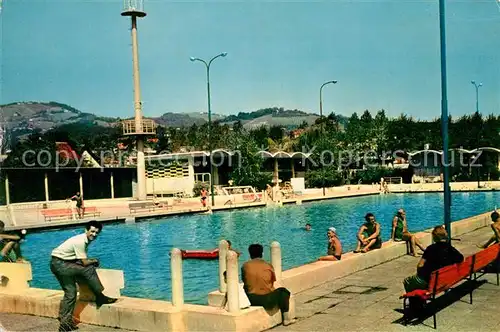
[(321, 119), (321, 101), (478, 134), (477, 97), (141, 165), (444, 119), (321, 106), (210, 136), (207, 65), (477, 86)]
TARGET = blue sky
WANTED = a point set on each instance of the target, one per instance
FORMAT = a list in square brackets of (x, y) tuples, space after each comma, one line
[(385, 54)]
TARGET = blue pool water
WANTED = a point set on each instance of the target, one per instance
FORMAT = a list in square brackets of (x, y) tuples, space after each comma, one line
[(142, 250)]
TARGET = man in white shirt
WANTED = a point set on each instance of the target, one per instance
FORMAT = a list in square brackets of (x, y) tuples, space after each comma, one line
[(70, 264)]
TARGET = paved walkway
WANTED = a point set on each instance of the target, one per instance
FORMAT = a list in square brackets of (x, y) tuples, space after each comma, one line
[(364, 301), (369, 300)]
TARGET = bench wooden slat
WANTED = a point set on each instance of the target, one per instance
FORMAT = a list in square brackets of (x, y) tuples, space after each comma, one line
[(486, 256), (447, 277), (56, 212), (91, 210), (149, 206)]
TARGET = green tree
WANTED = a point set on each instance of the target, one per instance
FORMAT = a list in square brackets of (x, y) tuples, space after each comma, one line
[(247, 172)]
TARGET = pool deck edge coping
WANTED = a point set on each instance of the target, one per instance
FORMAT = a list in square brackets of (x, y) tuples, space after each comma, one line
[(139, 314)]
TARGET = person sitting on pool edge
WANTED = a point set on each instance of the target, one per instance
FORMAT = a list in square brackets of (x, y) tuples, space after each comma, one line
[(258, 280), (10, 247), (369, 235), (495, 217), (400, 232), (334, 252)]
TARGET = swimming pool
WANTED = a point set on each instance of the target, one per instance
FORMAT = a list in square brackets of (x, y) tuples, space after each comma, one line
[(142, 249)]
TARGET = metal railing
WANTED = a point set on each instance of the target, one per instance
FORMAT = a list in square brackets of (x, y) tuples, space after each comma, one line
[(393, 180), (148, 127)]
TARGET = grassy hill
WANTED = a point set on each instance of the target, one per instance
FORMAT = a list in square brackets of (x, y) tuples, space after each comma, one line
[(24, 117)]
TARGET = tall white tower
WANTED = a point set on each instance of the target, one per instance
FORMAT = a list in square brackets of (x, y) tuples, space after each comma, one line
[(138, 127)]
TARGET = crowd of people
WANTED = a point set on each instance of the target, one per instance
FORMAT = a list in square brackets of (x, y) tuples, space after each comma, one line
[(70, 263)]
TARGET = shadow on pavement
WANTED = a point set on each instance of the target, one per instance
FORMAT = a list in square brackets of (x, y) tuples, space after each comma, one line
[(448, 298)]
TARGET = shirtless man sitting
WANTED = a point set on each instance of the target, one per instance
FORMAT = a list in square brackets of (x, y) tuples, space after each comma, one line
[(495, 217), (369, 235), (10, 247), (258, 279), (334, 252)]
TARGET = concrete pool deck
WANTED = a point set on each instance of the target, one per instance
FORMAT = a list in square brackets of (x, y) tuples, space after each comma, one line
[(319, 288), (28, 216), (368, 300)]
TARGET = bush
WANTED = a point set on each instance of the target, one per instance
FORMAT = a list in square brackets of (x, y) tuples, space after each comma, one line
[(324, 177), (198, 186), (258, 180), (373, 175)]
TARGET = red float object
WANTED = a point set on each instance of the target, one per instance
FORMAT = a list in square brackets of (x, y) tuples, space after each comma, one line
[(200, 254)]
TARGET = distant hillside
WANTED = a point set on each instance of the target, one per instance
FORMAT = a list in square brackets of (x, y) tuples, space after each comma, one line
[(23, 118), (178, 120), (275, 116)]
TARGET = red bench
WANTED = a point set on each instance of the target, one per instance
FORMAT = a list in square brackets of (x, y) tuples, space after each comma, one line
[(484, 258), (445, 278), (91, 211), (57, 213), (50, 214)]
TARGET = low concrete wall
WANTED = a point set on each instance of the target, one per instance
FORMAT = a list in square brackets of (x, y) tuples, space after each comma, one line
[(15, 276), (438, 186), (128, 313), (140, 314)]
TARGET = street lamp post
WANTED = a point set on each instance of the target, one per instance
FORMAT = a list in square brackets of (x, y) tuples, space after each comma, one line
[(444, 119), (477, 86), (321, 116), (321, 101), (477, 93), (207, 65)]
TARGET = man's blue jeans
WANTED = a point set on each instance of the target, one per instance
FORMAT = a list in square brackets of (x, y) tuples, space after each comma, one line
[(68, 273)]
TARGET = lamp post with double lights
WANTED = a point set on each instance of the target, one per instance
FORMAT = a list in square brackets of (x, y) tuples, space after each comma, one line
[(477, 93), (207, 65)]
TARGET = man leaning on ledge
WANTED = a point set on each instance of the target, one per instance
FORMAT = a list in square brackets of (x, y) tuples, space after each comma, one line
[(70, 264)]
